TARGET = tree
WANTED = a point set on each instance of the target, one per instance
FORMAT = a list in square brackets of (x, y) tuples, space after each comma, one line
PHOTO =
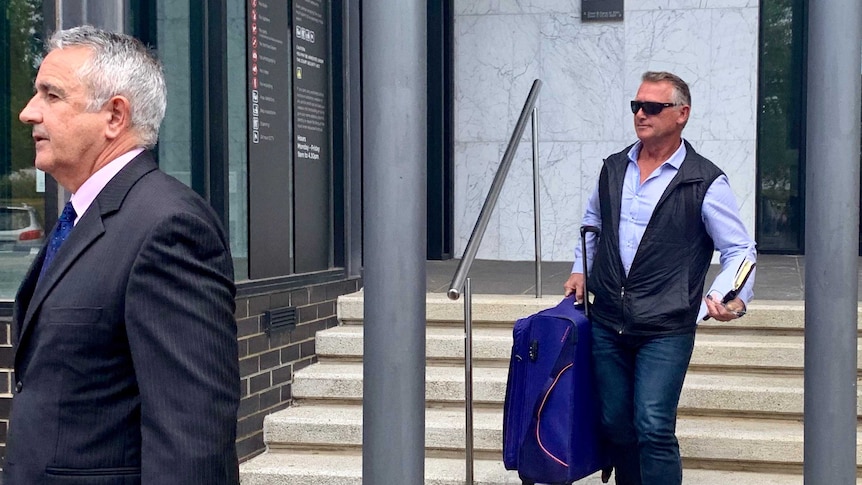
[(22, 22)]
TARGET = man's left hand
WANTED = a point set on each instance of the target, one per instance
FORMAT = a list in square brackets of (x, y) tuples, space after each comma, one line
[(723, 312)]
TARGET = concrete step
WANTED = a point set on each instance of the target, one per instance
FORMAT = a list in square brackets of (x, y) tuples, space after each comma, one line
[(281, 467), (703, 392), (703, 439), (494, 344), (788, 316), (740, 409), (441, 343), (443, 384)]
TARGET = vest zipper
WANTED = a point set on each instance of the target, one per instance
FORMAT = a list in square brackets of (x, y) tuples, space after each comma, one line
[(622, 308)]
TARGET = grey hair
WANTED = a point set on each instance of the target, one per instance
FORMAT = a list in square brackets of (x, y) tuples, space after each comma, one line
[(681, 93), (120, 66)]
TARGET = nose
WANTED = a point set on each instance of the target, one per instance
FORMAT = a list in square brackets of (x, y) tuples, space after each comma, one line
[(30, 114)]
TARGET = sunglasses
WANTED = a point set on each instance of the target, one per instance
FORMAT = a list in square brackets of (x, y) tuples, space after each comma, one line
[(650, 107)]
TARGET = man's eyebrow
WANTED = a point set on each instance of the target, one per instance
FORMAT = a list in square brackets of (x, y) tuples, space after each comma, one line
[(47, 86)]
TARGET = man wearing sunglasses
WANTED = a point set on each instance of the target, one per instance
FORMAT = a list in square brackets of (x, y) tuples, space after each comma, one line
[(663, 210)]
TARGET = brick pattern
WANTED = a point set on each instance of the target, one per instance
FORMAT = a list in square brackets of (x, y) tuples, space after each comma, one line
[(266, 362), (6, 364)]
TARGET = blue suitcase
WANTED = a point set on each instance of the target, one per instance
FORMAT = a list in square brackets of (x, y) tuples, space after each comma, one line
[(551, 412)]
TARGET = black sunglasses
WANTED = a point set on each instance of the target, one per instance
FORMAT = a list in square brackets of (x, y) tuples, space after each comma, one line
[(650, 107)]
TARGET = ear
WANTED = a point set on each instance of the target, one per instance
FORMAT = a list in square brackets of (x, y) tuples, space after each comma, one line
[(684, 112), (119, 113)]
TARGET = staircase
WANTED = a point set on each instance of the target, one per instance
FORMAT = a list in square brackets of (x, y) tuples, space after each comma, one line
[(740, 417)]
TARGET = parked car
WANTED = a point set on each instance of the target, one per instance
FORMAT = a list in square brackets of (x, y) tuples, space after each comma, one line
[(20, 229)]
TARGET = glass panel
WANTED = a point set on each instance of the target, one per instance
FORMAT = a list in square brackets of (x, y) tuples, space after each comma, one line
[(22, 203), (172, 28), (107, 15), (238, 141), (175, 138), (780, 138)]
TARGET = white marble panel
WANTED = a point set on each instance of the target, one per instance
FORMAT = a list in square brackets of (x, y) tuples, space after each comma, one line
[(475, 166), (564, 185), (677, 41), (568, 177), (583, 76), (516, 209), (640, 5), (737, 159), (568, 173), (590, 72), (496, 62), (497, 7), (732, 97)]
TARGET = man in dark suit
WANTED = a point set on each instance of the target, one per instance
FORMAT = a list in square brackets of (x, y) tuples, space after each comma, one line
[(126, 365)]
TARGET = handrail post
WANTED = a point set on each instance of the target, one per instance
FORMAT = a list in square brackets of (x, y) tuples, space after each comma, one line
[(493, 194), (537, 213), (468, 379), (460, 279)]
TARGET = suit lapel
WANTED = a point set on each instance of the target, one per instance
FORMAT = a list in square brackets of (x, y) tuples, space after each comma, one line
[(88, 229)]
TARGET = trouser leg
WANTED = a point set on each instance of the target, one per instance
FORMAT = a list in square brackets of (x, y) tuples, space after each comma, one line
[(660, 367), (613, 365)]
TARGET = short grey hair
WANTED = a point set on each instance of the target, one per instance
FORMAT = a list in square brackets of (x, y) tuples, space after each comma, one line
[(120, 66), (681, 93)]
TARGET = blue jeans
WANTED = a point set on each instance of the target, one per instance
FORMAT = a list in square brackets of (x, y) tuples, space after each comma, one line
[(639, 381)]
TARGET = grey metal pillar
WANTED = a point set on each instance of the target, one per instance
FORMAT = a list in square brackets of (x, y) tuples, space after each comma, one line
[(353, 138), (832, 240), (394, 148)]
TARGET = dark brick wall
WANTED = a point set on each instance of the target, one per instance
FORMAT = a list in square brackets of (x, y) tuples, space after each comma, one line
[(6, 363), (266, 361)]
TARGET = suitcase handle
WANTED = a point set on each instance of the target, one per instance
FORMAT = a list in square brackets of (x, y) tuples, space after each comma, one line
[(584, 230)]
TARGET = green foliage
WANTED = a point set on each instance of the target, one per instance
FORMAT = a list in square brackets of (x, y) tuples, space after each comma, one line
[(25, 22)]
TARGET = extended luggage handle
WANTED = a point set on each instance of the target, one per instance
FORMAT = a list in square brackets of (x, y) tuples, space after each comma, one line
[(606, 472), (584, 230)]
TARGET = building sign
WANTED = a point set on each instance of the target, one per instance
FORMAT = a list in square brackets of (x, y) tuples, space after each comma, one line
[(269, 73), (289, 143), (312, 184), (598, 10), (311, 80), (269, 138)]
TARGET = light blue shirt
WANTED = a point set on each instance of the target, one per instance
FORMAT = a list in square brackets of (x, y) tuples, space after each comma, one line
[(720, 215)]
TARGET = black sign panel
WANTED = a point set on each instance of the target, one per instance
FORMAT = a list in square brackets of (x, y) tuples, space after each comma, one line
[(598, 10), (311, 132), (269, 139)]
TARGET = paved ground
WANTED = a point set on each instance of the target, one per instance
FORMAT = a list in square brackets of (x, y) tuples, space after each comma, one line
[(779, 277)]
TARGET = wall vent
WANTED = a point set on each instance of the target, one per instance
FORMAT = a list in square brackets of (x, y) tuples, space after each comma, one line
[(279, 319)]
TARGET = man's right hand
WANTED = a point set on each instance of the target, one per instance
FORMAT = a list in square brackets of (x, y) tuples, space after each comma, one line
[(575, 284)]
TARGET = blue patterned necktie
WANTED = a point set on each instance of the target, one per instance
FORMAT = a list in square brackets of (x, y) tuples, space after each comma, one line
[(64, 226)]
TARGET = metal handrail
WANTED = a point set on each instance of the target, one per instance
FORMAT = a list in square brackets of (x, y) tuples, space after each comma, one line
[(493, 194), (460, 278)]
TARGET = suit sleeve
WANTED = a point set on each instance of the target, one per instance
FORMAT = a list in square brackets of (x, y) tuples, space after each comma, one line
[(182, 335)]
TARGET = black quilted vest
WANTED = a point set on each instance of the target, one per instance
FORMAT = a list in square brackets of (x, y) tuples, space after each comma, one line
[(663, 290)]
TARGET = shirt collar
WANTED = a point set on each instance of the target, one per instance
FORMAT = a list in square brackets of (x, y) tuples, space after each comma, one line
[(675, 160), (89, 190)]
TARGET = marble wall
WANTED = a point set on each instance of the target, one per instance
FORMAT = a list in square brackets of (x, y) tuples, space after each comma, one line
[(590, 71)]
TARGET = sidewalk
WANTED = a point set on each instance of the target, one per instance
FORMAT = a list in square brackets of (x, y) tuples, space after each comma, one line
[(779, 277)]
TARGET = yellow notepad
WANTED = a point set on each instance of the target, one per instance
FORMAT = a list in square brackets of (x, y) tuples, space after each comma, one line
[(742, 274)]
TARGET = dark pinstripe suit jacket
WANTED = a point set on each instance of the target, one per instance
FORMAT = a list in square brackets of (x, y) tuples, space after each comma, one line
[(126, 354)]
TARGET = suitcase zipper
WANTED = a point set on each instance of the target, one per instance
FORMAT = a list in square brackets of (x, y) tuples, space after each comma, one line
[(539, 417)]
